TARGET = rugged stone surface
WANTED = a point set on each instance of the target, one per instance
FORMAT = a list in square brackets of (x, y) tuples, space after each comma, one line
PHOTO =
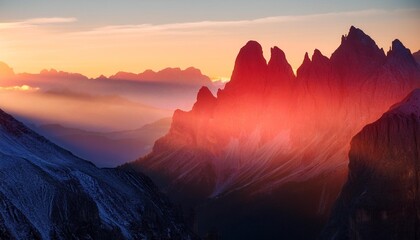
[(268, 129), (381, 197), (416, 56)]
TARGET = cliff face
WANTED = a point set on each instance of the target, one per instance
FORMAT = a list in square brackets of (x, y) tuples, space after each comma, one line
[(266, 116), (380, 199), (269, 132), (416, 56)]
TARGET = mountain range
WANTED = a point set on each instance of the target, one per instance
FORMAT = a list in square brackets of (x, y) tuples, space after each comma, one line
[(270, 148), (191, 75), (51, 97), (106, 149), (273, 155)]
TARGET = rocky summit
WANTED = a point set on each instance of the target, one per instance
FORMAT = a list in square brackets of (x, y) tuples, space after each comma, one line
[(272, 135)]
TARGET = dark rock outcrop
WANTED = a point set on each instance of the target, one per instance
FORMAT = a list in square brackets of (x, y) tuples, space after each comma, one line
[(381, 197), (357, 58), (416, 56)]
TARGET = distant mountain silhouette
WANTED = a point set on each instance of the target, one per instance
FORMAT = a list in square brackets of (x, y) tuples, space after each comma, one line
[(380, 199), (5, 70), (52, 73), (190, 75), (272, 135), (106, 148), (54, 95)]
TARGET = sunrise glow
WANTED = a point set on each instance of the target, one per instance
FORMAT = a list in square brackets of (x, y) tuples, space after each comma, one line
[(70, 42), (20, 88), (209, 120)]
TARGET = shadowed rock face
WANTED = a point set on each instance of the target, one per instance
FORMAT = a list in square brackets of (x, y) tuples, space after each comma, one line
[(357, 57), (416, 56), (266, 106), (381, 197), (269, 130), (48, 193)]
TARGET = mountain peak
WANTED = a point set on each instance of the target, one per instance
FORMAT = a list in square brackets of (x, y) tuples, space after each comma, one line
[(318, 59), (306, 59), (319, 65), (46, 71), (356, 34), (204, 94), (277, 56), (205, 100), (357, 51), (193, 70), (190, 75), (252, 45), (317, 55), (250, 66), (397, 44), (101, 77), (398, 47), (354, 30), (278, 67), (304, 66), (399, 54), (251, 53), (53, 73)]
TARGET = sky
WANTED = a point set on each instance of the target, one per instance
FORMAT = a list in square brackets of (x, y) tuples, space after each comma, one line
[(106, 36)]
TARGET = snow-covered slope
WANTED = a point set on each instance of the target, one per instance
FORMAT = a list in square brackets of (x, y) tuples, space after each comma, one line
[(48, 193)]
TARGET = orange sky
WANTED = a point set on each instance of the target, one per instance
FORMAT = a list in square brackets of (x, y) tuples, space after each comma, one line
[(65, 43)]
